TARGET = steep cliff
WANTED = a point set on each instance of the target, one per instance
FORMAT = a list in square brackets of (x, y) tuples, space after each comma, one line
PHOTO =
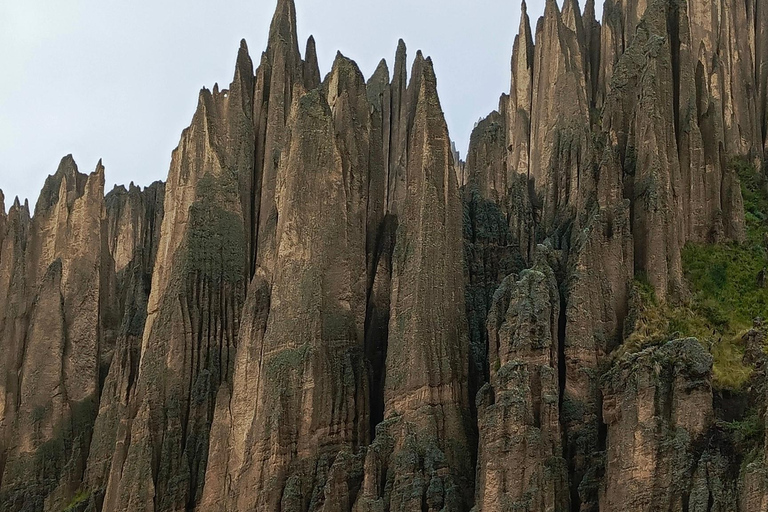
[(324, 309)]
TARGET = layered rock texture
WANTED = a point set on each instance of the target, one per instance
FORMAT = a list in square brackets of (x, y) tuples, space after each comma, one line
[(324, 309)]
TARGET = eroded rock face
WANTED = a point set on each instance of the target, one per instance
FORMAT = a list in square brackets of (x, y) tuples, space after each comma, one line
[(301, 317), (421, 453), (309, 388), (56, 311), (656, 404), (520, 459), (642, 171), (134, 217)]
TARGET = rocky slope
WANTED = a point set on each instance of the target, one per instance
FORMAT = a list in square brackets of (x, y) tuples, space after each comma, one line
[(323, 309)]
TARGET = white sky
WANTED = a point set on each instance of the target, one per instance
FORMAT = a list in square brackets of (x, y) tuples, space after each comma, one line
[(119, 80)]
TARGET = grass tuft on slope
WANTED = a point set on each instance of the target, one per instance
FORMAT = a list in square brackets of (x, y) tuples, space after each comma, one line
[(729, 289)]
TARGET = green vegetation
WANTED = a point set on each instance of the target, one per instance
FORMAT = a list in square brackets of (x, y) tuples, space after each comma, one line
[(729, 282), (78, 501), (747, 435), (286, 361), (216, 242), (729, 289)]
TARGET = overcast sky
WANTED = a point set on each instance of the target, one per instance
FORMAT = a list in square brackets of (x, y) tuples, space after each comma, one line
[(119, 80)]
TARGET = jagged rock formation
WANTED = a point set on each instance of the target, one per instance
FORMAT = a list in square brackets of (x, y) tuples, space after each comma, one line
[(56, 312), (324, 309), (520, 464), (657, 405), (421, 454), (642, 170), (133, 223)]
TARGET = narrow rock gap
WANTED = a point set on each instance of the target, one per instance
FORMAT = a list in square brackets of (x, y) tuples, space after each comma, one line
[(673, 28), (561, 367), (763, 96), (253, 219), (602, 429), (562, 376), (377, 321), (134, 353)]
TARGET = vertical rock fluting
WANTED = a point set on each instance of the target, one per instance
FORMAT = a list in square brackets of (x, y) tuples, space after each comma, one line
[(656, 405), (498, 219), (198, 288), (281, 70), (54, 325), (595, 306), (559, 117), (622, 195), (518, 108), (300, 319), (421, 457), (134, 217), (300, 395)]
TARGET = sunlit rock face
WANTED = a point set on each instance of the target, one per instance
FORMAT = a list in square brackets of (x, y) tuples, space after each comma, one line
[(324, 309)]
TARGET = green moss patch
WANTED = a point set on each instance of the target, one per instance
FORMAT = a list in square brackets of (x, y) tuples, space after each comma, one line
[(78, 502), (216, 239)]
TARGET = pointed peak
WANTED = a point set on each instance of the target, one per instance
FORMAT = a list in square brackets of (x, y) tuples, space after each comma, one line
[(429, 68), (17, 209), (377, 83), (525, 20), (311, 45), (67, 165), (382, 70), (243, 57), (94, 186), (571, 4), (2, 202), (401, 48), (204, 97), (399, 74), (216, 88), (243, 77), (339, 61), (589, 11), (551, 9), (571, 9), (523, 46), (283, 27), (417, 69), (347, 71), (311, 67), (401, 54), (571, 17)]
